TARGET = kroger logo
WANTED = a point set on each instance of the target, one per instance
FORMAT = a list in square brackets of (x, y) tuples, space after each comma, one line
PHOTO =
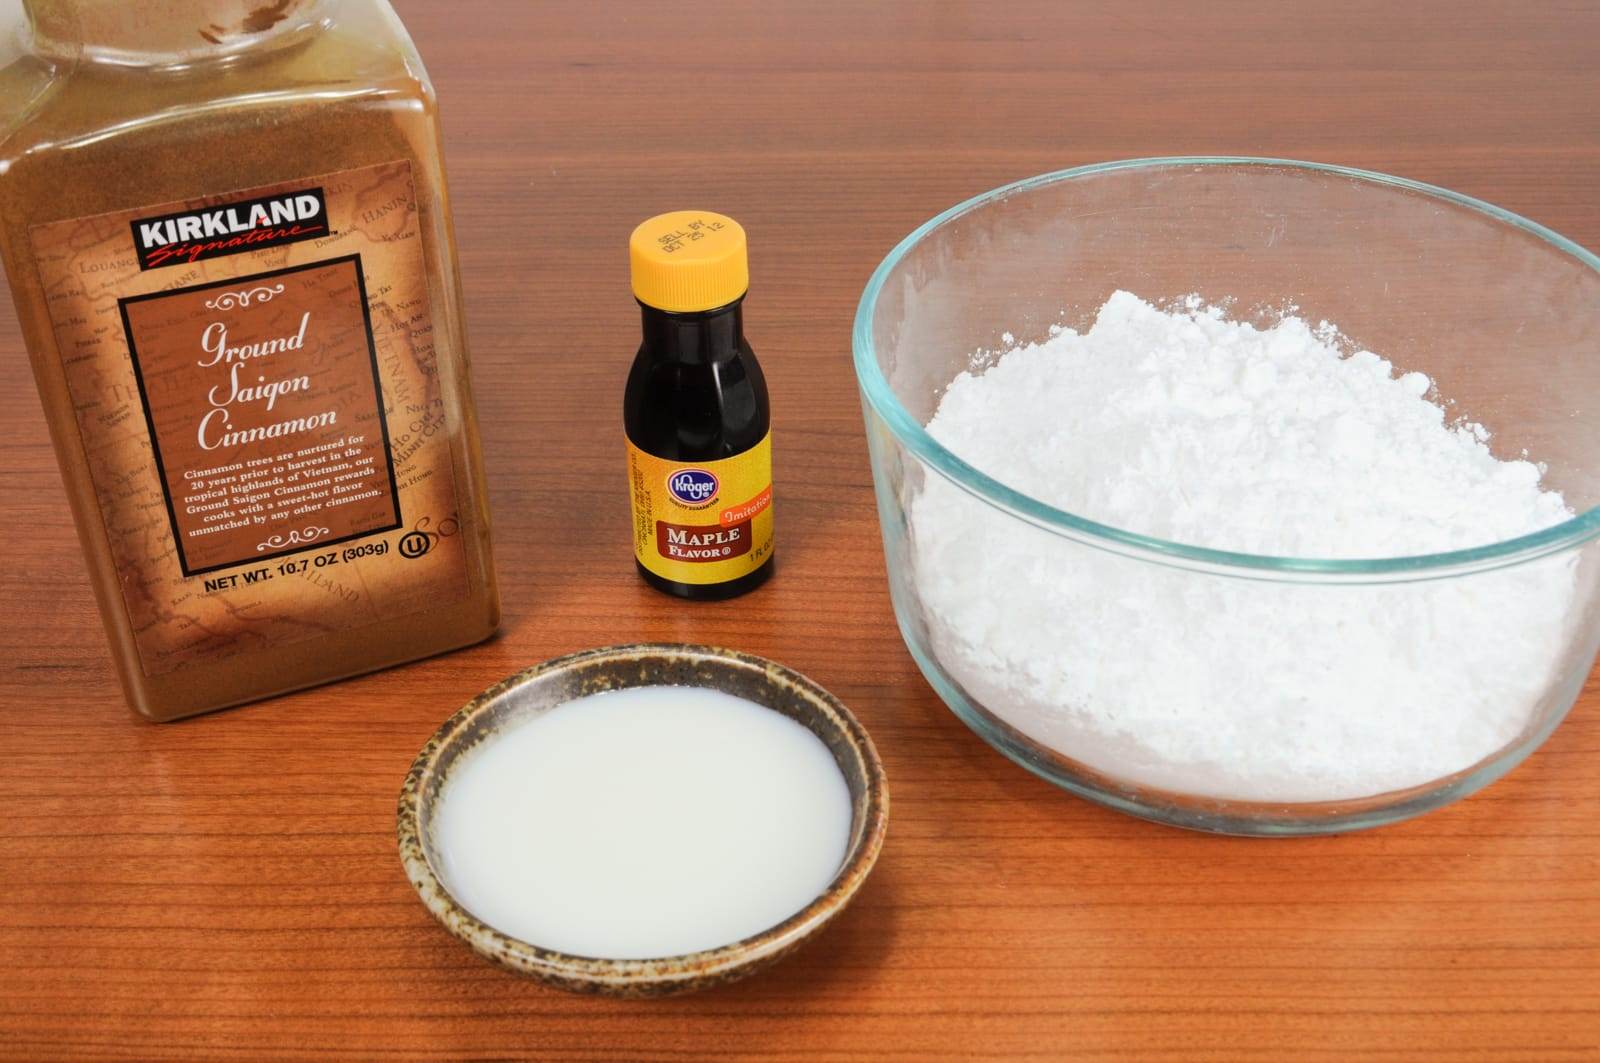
[(692, 487)]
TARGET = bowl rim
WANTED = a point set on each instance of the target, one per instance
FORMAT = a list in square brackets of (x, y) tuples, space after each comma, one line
[(880, 397), (655, 975)]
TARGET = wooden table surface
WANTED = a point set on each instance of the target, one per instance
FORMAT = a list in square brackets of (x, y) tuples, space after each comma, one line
[(228, 887)]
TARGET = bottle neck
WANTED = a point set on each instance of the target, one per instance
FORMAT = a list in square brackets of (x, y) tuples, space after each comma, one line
[(702, 338), (168, 33)]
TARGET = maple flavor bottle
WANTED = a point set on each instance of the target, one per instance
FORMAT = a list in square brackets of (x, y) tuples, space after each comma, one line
[(696, 414), (226, 231)]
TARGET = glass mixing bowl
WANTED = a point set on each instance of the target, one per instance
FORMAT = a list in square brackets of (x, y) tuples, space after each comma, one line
[(1501, 313)]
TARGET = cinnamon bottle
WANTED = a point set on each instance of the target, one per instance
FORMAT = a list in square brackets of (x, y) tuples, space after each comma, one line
[(227, 235)]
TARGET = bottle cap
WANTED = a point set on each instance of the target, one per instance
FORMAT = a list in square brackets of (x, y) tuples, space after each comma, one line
[(688, 260)]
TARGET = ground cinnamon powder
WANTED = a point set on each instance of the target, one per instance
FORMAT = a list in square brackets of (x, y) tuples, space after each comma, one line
[(226, 232)]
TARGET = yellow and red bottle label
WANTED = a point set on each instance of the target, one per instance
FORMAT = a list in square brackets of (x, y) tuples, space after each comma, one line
[(702, 522)]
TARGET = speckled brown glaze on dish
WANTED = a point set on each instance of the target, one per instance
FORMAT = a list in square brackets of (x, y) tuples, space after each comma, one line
[(565, 678)]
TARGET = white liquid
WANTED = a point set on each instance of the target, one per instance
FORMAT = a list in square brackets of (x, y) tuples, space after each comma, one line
[(642, 823)]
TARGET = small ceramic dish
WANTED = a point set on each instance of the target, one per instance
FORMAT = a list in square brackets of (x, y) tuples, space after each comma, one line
[(566, 678)]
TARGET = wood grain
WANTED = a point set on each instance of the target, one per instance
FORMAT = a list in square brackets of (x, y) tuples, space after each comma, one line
[(228, 887)]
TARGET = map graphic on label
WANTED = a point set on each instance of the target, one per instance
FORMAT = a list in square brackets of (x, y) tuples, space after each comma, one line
[(256, 387)]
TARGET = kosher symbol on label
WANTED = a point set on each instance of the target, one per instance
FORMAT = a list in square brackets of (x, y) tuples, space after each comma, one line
[(414, 544)]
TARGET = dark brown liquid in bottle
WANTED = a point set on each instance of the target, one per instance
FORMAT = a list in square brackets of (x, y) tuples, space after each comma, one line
[(696, 393)]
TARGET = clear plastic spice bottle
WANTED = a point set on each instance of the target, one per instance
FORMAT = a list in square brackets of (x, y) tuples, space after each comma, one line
[(227, 235)]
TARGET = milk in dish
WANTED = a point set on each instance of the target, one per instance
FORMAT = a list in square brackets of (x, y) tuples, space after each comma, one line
[(643, 823)]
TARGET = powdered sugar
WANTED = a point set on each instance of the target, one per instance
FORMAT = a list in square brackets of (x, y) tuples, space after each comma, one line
[(1187, 427)]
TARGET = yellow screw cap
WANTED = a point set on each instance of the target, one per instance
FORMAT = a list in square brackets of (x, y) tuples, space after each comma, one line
[(688, 260)]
